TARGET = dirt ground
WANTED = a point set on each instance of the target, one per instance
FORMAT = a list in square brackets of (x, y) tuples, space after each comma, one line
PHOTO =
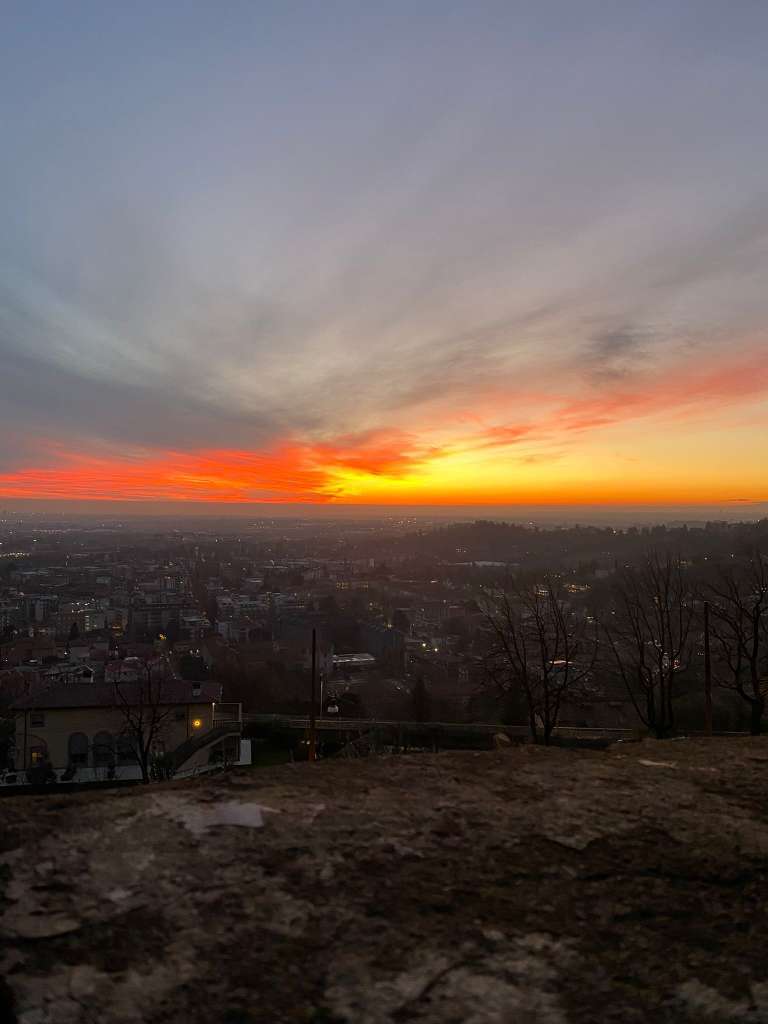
[(526, 885)]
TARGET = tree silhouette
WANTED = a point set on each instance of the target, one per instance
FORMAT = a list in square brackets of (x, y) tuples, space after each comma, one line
[(739, 631), (538, 652), (651, 636), (145, 712)]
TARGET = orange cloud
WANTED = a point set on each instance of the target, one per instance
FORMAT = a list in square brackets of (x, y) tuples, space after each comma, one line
[(676, 392), (679, 392), (287, 472), (551, 452)]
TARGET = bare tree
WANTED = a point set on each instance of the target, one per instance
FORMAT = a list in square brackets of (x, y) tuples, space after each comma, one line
[(651, 634), (145, 710), (739, 633), (538, 652)]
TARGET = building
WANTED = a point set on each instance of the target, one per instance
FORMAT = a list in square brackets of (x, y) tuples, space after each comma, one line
[(387, 645), (85, 732)]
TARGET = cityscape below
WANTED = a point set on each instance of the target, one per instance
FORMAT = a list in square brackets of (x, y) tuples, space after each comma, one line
[(383, 512), (390, 619)]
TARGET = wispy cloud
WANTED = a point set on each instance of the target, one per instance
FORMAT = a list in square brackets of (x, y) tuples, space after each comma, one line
[(350, 466), (286, 257)]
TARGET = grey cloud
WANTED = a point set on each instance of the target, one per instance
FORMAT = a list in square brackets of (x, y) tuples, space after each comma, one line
[(57, 403), (195, 365), (735, 246), (616, 352)]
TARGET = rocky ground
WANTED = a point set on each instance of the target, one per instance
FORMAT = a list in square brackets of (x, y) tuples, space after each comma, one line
[(526, 885)]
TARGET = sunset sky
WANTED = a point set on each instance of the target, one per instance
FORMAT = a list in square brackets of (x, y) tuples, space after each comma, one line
[(429, 253)]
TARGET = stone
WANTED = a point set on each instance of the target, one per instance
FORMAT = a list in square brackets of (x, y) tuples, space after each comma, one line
[(542, 885)]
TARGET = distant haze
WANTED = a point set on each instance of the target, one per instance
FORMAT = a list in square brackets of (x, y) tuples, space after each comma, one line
[(619, 516)]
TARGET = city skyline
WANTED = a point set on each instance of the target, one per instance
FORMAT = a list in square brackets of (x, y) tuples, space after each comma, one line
[(415, 256)]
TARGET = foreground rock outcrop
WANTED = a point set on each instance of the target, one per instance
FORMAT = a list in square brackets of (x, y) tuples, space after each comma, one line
[(526, 885)]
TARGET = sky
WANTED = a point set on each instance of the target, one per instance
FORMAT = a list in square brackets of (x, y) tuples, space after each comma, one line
[(403, 253)]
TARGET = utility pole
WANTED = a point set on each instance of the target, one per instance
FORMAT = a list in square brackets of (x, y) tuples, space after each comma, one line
[(707, 674), (312, 707)]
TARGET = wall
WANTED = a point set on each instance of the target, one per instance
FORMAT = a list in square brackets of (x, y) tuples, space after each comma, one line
[(60, 723)]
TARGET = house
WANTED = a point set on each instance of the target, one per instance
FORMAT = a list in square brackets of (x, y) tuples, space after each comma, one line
[(25, 649), (86, 732)]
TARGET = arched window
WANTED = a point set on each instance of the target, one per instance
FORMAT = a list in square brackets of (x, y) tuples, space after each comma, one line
[(126, 750), (38, 752), (103, 750), (78, 748)]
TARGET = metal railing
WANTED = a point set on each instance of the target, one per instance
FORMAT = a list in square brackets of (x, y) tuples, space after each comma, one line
[(185, 750), (225, 712), (479, 728)]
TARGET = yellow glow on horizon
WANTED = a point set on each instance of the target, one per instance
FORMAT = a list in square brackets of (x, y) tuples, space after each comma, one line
[(637, 463), (594, 455)]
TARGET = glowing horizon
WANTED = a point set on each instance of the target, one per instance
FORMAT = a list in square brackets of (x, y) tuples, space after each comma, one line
[(561, 457), (399, 258)]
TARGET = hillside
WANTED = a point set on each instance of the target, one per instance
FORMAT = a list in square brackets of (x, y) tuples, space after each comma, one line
[(545, 886)]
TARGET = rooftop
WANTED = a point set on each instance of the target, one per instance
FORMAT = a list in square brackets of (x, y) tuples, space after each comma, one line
[(98, 695)]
